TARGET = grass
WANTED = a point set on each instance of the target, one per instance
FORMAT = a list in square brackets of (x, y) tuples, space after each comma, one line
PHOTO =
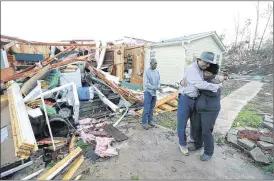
[(220, 141), (168, 120), (269, 168), (134, 177), (247, 119)]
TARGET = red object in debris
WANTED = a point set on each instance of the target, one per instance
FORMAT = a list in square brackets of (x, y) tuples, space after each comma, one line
[(253, 135), (49, 103)]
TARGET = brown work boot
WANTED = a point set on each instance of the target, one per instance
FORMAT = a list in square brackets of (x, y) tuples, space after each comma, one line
[(145, 126)]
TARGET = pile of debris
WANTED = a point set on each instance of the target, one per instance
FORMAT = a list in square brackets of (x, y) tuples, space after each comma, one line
[(256, 143), (60, 106)]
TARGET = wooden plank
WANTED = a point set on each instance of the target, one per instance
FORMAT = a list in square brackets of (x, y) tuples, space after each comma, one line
[(119, 63), (7, 72), (4, 101), (166, 99), (167, 107), (74, 168), (102, 57), (106, 101), (60, 165), (72, 142), (115, 133), (173, 103)]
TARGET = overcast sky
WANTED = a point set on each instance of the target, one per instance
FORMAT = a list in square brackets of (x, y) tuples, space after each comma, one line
[(54, 21)]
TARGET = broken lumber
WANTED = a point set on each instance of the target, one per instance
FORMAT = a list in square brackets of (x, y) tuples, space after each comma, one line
[(74, 168), (34, 69), (13, 170), (32, 82), (105, 100), (33, 175), (72, 142), (164, 104), (4, 101), (23, 136), (102, 56), (51, 173), (166, 99), (49, 60), (78, 177)]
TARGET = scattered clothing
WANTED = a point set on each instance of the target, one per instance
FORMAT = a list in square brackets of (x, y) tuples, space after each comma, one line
[(85, 121), (104, 148), (87, 137)]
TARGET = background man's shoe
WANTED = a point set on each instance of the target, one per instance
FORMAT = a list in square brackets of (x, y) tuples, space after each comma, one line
[(184, 150), (151, 124), (145, 126), (205, 157)]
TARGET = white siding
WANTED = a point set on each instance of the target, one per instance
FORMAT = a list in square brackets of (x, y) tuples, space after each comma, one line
[(195, 48), (171, 62)]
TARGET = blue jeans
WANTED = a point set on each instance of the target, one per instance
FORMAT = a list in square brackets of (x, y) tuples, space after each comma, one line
[(184, 112), (203, 125), (149, 104)]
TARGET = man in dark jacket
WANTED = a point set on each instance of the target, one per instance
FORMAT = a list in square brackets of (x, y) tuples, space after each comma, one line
[(206, 111)]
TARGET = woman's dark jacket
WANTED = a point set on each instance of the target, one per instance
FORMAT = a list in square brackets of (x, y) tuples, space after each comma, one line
[(208, 101)]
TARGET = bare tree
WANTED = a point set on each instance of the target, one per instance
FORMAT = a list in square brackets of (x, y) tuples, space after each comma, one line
[(268, 15), (237, 27), (257, 24)]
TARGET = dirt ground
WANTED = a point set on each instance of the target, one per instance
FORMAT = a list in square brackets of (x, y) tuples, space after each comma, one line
[(154, 154)]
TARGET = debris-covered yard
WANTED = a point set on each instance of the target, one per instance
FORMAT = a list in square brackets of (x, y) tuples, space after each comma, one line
[(62, 102), (72, 110)]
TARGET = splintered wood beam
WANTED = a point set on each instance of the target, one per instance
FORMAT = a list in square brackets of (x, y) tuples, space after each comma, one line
[(167, 107), (32, 82), (74, 168), (166, 99), (106, 101), (51, 173), (53, 66), (72, 142), (50, 59), (173, 103)]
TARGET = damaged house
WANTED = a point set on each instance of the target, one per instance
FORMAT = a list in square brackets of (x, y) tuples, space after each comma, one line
[(174, 55)]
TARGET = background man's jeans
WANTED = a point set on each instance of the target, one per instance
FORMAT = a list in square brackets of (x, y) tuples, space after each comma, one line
[(149, 104), (184, 112)]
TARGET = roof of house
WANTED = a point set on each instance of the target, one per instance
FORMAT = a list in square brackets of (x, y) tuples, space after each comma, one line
[(193, 37)]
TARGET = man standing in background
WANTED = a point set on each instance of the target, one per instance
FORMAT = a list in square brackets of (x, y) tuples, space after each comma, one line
[(194, 81), (151, 85)]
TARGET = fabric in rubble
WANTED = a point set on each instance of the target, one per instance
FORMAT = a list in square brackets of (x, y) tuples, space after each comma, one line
[(104, 148), (87, 137)]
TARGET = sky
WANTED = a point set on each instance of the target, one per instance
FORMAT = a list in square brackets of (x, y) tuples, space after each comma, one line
[(54, 21)]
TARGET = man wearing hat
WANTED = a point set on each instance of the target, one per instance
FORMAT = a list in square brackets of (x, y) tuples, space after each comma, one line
[(206, 111), (194, 80)]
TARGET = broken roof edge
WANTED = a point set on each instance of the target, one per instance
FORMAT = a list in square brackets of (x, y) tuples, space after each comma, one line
[(193, 37)]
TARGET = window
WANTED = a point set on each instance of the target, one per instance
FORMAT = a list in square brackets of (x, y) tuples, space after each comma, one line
[(218, 59)]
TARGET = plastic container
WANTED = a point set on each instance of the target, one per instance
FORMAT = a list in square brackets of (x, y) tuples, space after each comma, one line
[(83, 93)]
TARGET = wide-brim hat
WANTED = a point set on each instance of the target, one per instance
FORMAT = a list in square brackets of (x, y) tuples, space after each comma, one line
[(207, 57)]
